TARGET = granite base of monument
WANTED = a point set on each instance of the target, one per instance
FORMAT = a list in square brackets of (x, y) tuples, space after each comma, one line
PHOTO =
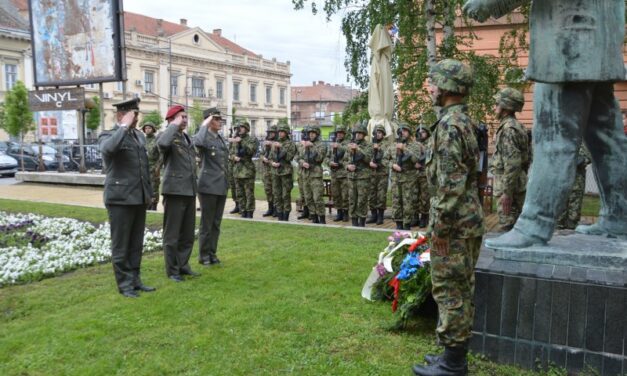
[(564, 305)]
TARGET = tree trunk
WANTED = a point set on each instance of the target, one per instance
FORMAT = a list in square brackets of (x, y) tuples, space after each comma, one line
[(448, 28), (431, 42), (22, 151)]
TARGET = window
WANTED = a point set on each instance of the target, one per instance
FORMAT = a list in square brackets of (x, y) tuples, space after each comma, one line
[(90, 86), (282, 96), (219, 89), (236, 91), (268, 124), (174, 85), (198, 87), (253, 92), (10, 74), (119, 86), (149, 81), (268, 94)]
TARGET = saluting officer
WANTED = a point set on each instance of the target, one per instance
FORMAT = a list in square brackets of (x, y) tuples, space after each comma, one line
[(179, 194), (127, 193), (212, 184)]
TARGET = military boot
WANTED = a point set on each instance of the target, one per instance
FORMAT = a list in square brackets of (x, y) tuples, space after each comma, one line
[(339, 216), (399, 225), (355, 221), (275, 212), (243, 214), (362, 222), (249, 214), (286, 216), (452, 363), (407, 226), (235, 209), (415, 221), (305, 214), (270, 210), (323, 219), (373, 217), (345, 215), (314, 218), (380, 213), (279, 215), (424, 220)]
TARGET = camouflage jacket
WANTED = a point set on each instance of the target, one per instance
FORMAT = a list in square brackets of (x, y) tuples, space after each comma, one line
[(338, 172), (361, 159), (154, 157), (451, 163), (511, 158), (411, 155), (265, 153), (381, 158), (314, 156), (245, 150), (583, 159), (284, 156), (422, 171)]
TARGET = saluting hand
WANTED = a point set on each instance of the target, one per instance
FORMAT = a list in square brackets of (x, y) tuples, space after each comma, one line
[(128, 119)]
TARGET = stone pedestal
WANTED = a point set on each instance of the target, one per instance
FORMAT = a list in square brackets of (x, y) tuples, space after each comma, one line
[(564, 304)]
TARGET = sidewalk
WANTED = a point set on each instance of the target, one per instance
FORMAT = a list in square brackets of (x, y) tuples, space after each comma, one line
[(92, 197)]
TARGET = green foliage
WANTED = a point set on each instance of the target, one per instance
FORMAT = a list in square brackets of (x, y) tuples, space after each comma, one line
[(152, 117), (18, 119), (410, 63), (2, 116), (283, 121), (356, 110), (196, 116), (92, 121)]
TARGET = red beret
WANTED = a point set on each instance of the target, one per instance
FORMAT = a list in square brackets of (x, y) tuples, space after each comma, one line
[(173, 111)]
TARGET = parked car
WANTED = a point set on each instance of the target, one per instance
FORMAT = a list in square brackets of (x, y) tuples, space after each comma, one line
[(31, 157), (8, 165)]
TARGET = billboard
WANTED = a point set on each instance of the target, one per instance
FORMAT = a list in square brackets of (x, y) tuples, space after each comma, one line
[(77, 41)]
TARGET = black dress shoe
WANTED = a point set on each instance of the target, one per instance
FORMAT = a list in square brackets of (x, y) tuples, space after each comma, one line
[(176, 278), (214, 261), (145, 288), (130, 294)]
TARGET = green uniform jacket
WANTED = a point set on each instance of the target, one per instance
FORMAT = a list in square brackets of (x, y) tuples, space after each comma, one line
[(381, 158), (179, 160), (412, 153), (452, 164), (246, 150), (126, 166), (315, 156), (214, 156), (340, 171), (361, 159), (284, 156), (510, 160)]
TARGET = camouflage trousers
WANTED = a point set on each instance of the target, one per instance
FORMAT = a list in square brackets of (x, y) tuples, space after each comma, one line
[(267, 186), (572, 214), (404, 200), (339, 190), (282, 188), (453, 279), (314, 193), (245, 189), (422, 196), (506, 221), (378, 192), (231, 180), (155, 182), (358, 197), (301, 188)]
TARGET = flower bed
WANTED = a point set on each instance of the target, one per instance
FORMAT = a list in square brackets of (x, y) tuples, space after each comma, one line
[(33, 247), (402, 275)]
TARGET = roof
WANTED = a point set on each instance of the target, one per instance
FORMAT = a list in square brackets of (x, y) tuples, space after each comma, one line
[(10, 18), (157, 27), (323, 91)]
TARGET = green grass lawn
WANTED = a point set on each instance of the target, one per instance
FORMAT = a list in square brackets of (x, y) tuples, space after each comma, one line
[(286, 302)]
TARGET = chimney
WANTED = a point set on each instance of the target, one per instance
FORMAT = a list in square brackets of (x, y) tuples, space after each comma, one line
[(184, 21), (217, 32)]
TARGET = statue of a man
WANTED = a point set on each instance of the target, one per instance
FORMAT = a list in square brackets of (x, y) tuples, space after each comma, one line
[(576, 55)]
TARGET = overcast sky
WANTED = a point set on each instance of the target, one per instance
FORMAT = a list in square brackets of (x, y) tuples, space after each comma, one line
[(271, 28)]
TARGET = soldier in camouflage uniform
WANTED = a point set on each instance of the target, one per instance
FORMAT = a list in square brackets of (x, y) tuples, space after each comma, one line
[(456, 219), (572, 214), (271, 134), (357, 161), (310, 162), (231, 169), (403, 156), (281, 155), (339, 175), (244, 169), (422, 195), (510, 160), (380, 172), (302, 198), (154, 162)]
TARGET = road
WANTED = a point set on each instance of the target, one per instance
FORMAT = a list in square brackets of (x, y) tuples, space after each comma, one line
[(7, 181)]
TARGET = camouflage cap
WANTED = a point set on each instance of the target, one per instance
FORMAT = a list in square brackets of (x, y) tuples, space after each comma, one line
[(284, 128), (402, 126), (380, 128), (361, 128), (149, 124), (272, 128), (452, 76), (314, 128), (510, 99), (341, 128), (244, 124)]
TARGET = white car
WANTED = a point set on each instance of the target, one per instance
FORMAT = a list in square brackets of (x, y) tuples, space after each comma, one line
[(8, 165)]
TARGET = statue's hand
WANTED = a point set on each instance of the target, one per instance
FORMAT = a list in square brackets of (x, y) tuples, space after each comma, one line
[(477, 10)]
